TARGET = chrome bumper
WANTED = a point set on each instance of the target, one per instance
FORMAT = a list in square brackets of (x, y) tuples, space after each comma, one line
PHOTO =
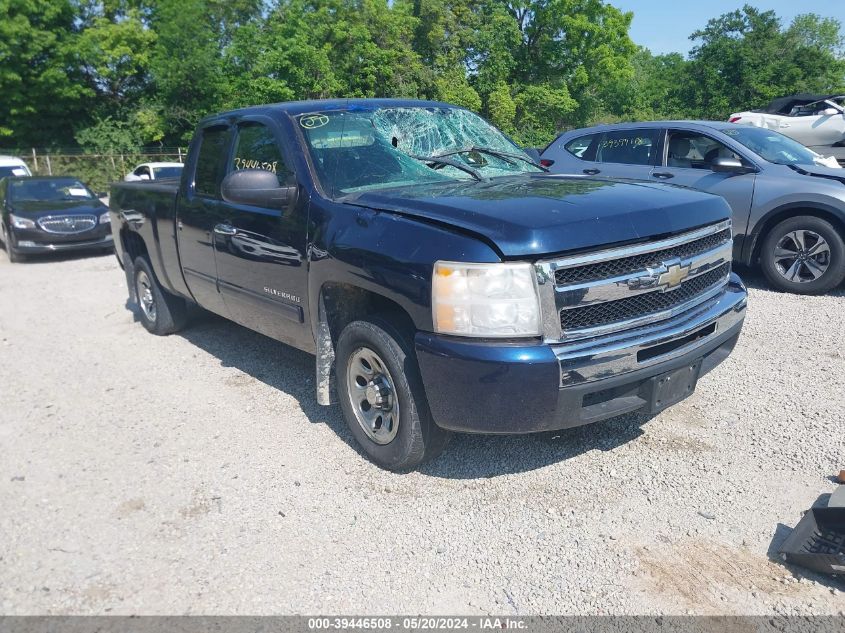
[(585, 361)]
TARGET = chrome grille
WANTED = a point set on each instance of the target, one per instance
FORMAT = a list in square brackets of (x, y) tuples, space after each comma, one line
[(599, 293), (67, 224), (626, 265), (600, 314)]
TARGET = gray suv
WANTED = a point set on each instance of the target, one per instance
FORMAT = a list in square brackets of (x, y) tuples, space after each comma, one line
[(789, 209)]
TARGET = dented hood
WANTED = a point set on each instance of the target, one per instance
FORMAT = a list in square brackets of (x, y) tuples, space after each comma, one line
[(546, 214)]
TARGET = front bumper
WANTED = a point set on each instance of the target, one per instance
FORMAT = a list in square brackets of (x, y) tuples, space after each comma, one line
[(27, 245), (495, 387)]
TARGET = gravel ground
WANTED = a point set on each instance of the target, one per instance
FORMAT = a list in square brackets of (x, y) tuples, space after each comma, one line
[(196, 474)]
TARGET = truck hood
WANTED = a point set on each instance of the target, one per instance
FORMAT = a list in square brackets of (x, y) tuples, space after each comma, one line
[(544, 214)]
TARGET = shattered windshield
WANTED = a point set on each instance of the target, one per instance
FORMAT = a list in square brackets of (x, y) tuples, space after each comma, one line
[(364, 149)]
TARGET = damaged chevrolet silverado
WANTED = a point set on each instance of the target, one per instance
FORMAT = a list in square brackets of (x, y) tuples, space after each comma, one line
[(443, 281)]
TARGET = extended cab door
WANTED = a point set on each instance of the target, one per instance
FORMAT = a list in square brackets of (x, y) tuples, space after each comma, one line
[(261, 251), (200, 210), (687, 159)]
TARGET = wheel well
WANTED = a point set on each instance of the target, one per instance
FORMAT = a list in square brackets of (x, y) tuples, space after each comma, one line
[(345, 303), (792, 212), (133, 245)]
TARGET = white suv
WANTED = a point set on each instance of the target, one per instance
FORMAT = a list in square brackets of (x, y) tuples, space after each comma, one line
[(13, 166)]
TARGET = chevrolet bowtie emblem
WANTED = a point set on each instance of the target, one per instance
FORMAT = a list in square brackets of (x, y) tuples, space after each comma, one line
[(672, 277)]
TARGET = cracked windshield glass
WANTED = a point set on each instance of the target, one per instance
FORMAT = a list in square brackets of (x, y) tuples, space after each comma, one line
[(361, 150)]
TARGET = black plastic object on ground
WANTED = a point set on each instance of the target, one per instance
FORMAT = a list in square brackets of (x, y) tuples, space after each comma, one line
[(818, 541)]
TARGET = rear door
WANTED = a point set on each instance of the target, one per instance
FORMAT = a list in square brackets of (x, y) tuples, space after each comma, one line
[(687, 158), (200, 210), (628, 153), (261, 251)]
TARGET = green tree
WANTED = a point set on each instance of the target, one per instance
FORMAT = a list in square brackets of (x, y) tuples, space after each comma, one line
[(42, 87)]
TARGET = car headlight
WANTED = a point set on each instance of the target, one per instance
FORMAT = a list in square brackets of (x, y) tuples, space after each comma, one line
[(485, 300), (21, 223), (105, 218)]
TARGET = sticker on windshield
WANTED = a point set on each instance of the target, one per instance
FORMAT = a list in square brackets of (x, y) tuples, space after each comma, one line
[(311, 121), (730, 132), (77, 192), (18, 171)]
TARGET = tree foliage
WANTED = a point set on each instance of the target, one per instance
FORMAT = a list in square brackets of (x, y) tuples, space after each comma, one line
[(120, 73)]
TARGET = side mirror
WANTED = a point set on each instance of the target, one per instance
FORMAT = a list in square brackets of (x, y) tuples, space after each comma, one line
[(256, 187), (533, 154), (144, 176), (830, 112), (728, 166)]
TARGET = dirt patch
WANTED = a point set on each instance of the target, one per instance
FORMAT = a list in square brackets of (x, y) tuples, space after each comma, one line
[(711, 578)]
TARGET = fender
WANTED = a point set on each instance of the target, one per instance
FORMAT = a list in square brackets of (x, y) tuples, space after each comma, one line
[(836, 212)]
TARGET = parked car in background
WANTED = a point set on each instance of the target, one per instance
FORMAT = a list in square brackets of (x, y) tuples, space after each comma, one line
[(13, 166), (154, 171), (442, 280), (817, 121), (789, 211), (47, 214)]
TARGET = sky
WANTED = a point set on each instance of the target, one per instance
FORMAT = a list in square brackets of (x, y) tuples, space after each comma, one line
[(664, 27)]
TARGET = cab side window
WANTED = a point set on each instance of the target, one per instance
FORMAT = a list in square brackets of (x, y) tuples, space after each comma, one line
[(211, 161), (695, 151), (628, 147), (256, 148), (582, 147)]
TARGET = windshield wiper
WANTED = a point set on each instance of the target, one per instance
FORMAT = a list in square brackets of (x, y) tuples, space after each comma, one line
[(505, 156), (440, 160)]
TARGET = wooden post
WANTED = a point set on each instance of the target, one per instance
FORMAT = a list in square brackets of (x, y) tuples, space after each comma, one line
[(49, 166), (179, 149), (34, 161)]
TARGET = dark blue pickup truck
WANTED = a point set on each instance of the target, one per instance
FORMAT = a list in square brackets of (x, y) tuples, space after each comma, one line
[(443, 281)]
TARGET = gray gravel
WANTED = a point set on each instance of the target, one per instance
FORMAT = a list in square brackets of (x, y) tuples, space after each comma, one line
[(196, 474)]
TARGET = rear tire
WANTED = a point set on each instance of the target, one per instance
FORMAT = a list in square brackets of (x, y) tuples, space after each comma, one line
[(818, 264), (161, 312), (382, 396)]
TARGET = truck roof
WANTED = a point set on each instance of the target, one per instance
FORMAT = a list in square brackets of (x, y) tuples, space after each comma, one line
[(295, 108)]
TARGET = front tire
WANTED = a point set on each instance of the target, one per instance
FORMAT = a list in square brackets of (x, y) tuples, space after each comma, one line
[(13, 256), (382, 397), (161, 312), (803, 255)]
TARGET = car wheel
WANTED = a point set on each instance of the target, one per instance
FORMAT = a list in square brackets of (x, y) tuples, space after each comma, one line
[(382, 397), (803, 255), (13, 256), (161, 312)]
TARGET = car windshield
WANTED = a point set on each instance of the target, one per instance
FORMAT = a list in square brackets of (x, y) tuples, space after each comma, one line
[(362, 149), (167, 172), (772, 146), (12, 170), (48, 190)]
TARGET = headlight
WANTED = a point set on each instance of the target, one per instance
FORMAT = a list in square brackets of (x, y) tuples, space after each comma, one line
[(21, 223), (485, 300), (105, 218)]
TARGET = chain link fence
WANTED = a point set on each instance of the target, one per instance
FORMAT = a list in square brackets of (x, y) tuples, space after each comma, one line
[(95, 170)]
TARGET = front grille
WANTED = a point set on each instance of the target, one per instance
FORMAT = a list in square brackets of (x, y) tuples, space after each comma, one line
[(68, 224), (627, 265), (641, 305)]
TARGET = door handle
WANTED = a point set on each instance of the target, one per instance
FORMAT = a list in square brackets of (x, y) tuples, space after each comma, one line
[(592, 172), (225, 229), (663, 175)]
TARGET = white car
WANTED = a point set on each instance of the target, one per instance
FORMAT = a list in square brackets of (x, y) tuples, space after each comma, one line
[(154, 171), (13, 166), (816, 121)]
